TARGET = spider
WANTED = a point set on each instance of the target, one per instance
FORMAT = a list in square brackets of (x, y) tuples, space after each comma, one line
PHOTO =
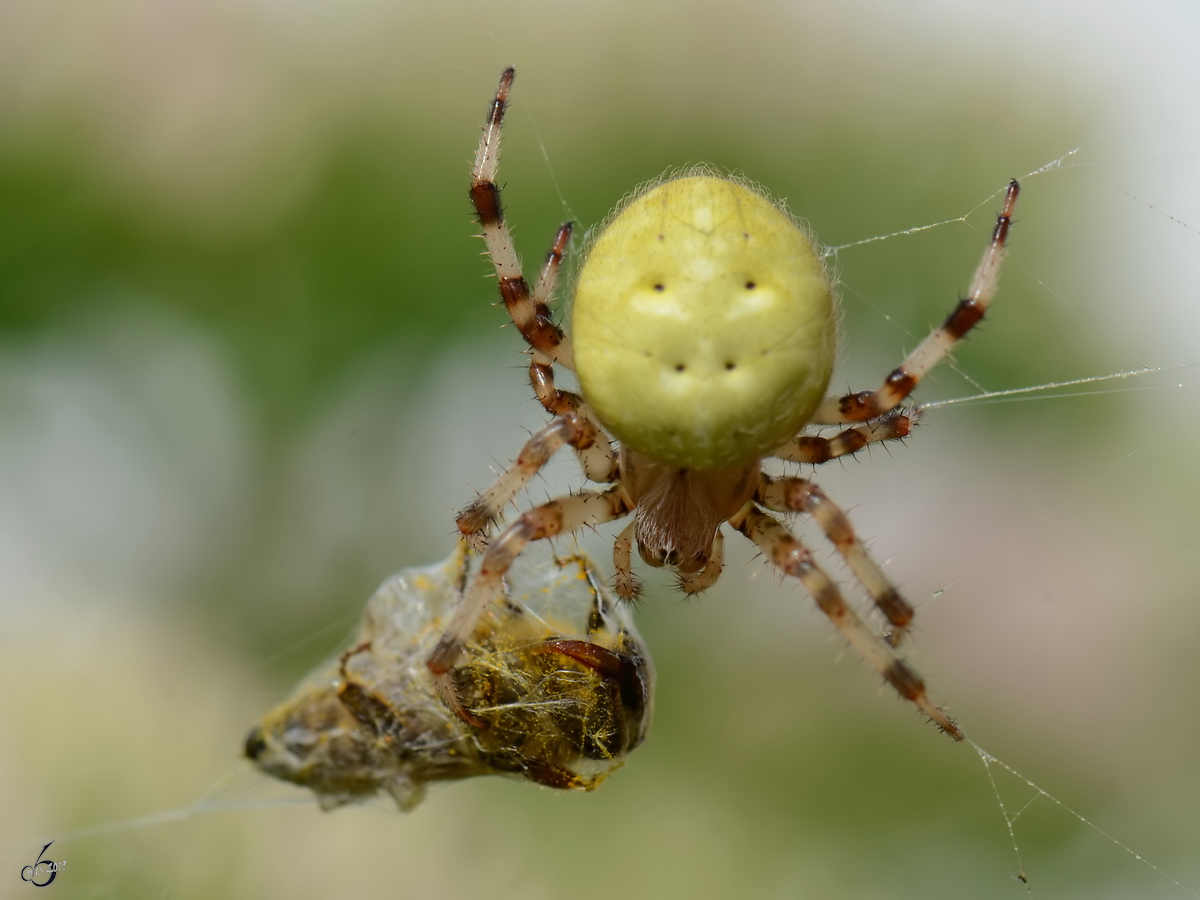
[(703, 340)]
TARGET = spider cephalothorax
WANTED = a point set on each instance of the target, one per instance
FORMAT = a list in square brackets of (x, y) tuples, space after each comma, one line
[(703, 337)]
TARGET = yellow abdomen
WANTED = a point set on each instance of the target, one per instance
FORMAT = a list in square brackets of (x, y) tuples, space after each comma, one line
[(703, 324)]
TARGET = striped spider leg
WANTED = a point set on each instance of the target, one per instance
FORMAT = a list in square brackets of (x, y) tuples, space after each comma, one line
[(815, 450), (791, 557), (530, 312), (801, 495), (791, 494), (882, 421), (557, 517), (903, 380)]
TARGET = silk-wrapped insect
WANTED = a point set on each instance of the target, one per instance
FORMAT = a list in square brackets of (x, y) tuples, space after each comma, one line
[(555, 672)]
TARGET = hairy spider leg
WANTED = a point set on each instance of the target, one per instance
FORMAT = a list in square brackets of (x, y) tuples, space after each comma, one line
[(541, 365), (574, 427), (801, 495), (530, 312), (814, 450), (791, 557), (531, 317), (561, 516), (627, 586), (904, 379)]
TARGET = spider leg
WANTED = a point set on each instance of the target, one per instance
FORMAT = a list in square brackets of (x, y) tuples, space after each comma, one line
[(530, 311), (903, 380), (815, 450), (801, 495), (541, 365), (544, 287), (530, 314), (790, 556), (695, 582), (595, 456), (627, 586), (561, 516), (574, 427)]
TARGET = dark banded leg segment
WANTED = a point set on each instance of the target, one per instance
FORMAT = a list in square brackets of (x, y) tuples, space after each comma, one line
[(548, 277), (541, 366), (561, 516), (801, 495), (574, 428), (790, 556), (596, 455), (597, 458), (529, 311), (814, 450), (903, 380)]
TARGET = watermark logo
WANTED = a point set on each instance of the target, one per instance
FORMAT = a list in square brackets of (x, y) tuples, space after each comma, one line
[(38, 872)]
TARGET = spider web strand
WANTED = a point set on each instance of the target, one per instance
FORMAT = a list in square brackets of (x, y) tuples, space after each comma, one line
[(988, 759), (1000, 396)]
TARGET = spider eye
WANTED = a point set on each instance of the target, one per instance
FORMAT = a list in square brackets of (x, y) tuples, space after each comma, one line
[(730, 366), (750, 285), (659, 287)]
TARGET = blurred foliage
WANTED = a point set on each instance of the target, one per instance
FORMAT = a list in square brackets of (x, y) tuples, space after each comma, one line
[(375, 243), (345, 266)]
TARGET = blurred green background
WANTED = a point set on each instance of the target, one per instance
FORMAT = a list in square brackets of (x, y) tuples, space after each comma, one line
[(250, 365)]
